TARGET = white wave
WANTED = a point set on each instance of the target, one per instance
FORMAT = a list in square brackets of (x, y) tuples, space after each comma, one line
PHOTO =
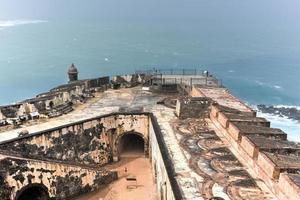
[(11, 23), (287, 106), (277, 87), (260, 83), (290, 126)]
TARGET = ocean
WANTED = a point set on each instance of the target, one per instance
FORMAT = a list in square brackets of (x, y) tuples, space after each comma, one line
[(259, 63)]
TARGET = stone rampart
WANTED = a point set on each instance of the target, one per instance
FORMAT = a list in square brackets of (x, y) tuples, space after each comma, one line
[(65, 160), (52, 103), (264, 149)]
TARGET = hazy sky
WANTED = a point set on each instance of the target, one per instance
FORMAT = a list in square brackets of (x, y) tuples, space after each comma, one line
[(251, 11)]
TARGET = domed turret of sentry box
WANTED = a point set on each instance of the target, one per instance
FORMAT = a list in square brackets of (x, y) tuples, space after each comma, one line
[(73, 73)]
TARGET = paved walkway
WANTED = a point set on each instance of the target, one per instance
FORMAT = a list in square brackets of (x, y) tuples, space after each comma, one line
[(105, 103), (137, 166)]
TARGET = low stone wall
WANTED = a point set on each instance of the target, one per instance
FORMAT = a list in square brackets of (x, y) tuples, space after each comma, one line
[(192, 107), (225, 118), (162, 167), (43, 103), (237, 131), (291, 185), (97, 82), (89, 142), (255, 143), (131, 80), (60, 180), (10, 111)]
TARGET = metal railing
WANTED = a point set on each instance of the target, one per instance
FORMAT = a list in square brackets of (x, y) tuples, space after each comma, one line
[(172, 71), (181, 76), (208, 81)]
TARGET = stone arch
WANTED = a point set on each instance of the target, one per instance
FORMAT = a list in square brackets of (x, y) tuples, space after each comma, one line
[(33, 191), (51, 104), (132, 140)]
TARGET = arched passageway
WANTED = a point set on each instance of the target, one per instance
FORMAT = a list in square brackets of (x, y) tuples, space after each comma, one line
[(131, 144), (33, 192), (51, 104)]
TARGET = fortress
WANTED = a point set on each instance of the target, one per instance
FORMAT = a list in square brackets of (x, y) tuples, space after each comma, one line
[(157, 134)]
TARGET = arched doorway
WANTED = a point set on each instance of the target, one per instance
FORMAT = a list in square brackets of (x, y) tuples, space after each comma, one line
[(51, 104), (131, 144), (33, 192)]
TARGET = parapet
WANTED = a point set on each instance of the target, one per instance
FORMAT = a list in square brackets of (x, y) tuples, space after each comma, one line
[(192, 107), (237, 130), (56, 102), (266, 150)]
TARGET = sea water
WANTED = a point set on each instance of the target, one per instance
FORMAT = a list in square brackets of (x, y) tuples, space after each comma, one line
[(259, 64)]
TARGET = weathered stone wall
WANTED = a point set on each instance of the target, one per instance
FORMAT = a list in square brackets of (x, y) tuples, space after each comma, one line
[(1, 115), (193, 107), (27, 108), (91, 142), (63, 159), (62, 181), (76, 85), (291, 185), (264, 150), (131, 80), (10, 111), (57, 96), (160, 173), (184, 89), (98, 82)]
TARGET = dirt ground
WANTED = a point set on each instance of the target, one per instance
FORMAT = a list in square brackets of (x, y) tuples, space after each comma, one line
[(136, 166)]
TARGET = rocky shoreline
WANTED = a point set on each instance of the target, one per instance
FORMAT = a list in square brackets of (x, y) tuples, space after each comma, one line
[(289, 112)]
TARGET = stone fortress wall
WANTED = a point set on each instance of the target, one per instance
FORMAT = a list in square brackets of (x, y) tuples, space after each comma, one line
[(56, 102), (58, 180), (91, 142), (72, 155), (60, 99), (264, 150), (78, 152)]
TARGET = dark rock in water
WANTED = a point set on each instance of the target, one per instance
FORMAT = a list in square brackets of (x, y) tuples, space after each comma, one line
[(290, 112)]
